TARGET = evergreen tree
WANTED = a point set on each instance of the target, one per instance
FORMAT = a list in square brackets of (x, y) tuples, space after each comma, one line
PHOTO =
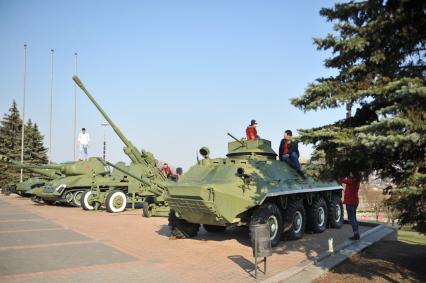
[(378, 48), (34, 148), (10, 139), (10, 145)]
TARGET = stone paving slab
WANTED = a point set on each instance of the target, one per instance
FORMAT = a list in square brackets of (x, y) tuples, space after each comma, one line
[(27, 225), (139, 273), (18, 216), (27, 238), (58, 257)]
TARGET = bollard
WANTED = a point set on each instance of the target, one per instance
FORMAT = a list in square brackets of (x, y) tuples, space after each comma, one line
[(261, 244), (330, 246)]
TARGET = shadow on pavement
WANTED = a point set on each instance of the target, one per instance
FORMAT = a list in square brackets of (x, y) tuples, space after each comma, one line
[(311, 244), (244, 263)]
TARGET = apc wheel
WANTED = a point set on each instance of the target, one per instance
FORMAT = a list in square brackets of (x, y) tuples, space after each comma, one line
[(317, 215), (116, 201), (335, 212), (271, 214), (86, 200), (295, 217), (76, 200), (69, 197), (181, 228), (214, 228)]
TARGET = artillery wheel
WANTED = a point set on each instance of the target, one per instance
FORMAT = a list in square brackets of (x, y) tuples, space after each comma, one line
[(214, 228), (181, 228), (271, 214), (335, 212), (86, 200), (69, 197), (76, 200), (295, 217), (116, 201), (147, 211), (317, 215)]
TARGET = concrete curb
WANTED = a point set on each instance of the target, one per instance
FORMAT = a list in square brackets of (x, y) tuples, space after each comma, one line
[(309, 270)]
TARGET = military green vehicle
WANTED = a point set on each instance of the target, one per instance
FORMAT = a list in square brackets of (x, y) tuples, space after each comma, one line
[(115, 197), (77, 178), (137, 184), (21, 188), (250, 186)]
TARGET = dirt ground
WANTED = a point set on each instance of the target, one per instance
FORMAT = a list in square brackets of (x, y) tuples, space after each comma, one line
[(382, 262)]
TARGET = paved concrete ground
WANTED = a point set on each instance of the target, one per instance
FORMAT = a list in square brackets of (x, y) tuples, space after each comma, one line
[(41, 243)]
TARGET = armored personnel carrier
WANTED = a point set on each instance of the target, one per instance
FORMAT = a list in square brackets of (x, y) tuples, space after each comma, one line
[(21, 188), (115, 196), (250, 186)]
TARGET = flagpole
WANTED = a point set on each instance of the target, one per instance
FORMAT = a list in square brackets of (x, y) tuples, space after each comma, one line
[(51, 104), (75, 108), (23, 109)]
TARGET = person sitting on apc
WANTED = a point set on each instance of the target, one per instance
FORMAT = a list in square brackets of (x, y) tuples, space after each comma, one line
[(289, 151)]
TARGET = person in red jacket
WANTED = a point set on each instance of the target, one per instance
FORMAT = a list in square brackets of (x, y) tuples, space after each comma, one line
[(166, 170), (350, 199), (251, 131)]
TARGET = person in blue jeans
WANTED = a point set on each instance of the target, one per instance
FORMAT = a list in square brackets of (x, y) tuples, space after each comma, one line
[(351, 200), (289, 151)]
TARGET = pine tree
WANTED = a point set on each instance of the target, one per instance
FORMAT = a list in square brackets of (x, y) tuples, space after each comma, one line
[(10, 145), (378, 48), (35, 151), (10, 136)]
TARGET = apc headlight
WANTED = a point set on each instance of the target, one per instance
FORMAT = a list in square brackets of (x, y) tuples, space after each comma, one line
[(60, 187)]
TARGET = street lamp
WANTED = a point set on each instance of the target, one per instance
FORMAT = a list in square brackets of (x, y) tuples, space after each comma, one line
[(105, 125)]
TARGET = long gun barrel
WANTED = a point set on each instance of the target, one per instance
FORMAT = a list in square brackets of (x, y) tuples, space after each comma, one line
[(153, 187), (129, 148), (51, 172)]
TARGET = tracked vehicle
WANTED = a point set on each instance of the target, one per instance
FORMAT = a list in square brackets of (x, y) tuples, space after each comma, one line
[(22, 188), (115, 196), (76, 178), (250, 186)]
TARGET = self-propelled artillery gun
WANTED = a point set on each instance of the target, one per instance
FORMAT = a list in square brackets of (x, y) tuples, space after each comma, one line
[(250, 186), (115, 196)]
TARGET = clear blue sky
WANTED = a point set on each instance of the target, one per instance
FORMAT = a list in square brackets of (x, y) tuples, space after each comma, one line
[(174, 75)]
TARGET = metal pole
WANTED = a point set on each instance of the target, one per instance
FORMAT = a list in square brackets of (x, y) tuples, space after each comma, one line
[(74, 143), (51, 105), (23, 110)]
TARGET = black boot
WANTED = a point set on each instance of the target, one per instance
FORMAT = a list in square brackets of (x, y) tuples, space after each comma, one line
[(301, 173), (355, 237)]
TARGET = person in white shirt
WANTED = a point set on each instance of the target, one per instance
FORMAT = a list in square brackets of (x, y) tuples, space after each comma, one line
[(83, 140)]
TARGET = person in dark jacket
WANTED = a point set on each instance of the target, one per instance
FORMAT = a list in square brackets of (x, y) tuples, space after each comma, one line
[(289, 151), (350, 199)]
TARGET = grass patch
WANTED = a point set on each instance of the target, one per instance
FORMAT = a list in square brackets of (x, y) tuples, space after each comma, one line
[(411, 237)]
